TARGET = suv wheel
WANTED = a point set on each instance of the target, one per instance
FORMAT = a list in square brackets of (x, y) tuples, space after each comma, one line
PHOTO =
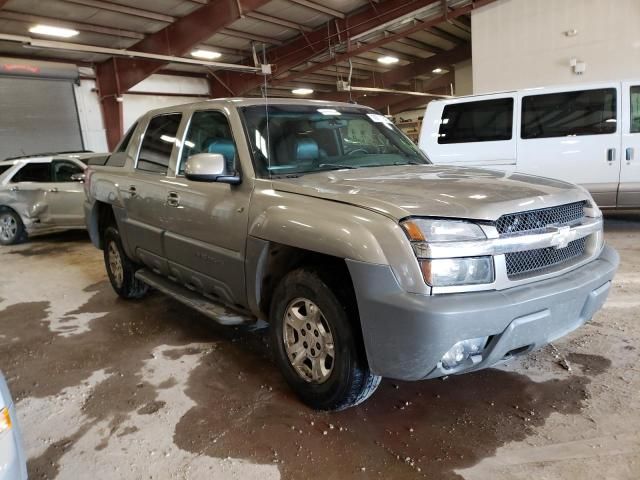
[(120, 268), (315, 346), (11, 228)]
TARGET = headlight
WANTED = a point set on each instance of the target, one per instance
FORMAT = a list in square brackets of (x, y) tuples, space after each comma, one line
[(447, 272), (434, 231)]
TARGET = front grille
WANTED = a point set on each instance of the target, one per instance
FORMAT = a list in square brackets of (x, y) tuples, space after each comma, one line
[(539, 219), (521, 263)]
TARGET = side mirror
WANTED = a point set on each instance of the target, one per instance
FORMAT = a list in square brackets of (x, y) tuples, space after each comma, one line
[(78, 177), (208, 167)]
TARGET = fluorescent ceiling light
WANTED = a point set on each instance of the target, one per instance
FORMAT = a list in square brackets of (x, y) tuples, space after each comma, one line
[(206, 54), (302, 91), (54, 31), (437, 70), (388, 60)]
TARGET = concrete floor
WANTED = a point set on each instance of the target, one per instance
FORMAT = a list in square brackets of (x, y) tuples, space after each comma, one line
[(113, 389)]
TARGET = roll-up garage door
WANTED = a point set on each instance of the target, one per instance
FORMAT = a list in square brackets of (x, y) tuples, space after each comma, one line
[(38, 112)]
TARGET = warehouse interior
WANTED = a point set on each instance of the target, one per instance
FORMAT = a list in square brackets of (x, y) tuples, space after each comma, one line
[(96, 385)]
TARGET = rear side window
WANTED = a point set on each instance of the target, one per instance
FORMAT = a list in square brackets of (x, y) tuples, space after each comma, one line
[(4, 168), (586, 112), (482, 121), (158, 143), (33, 172), (635, 109)]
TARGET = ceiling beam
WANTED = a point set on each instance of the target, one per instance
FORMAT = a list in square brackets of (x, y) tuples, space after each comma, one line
[(278, 21), (84, 27), (386, 39), (3, 3), (303, 48), (117, 75), (229, 32), (319, 8), (116, 7)]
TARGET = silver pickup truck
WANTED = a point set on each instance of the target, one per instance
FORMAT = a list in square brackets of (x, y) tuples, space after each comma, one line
[(326, 221)]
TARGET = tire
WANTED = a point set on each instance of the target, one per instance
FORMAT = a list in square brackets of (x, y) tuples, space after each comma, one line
[(11, 228), (120, 268), (324, 378)]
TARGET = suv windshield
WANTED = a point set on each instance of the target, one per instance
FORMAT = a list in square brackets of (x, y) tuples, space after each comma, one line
[(300, 139)]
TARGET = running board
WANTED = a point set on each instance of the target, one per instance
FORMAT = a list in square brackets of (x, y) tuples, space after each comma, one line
[(214, 311)]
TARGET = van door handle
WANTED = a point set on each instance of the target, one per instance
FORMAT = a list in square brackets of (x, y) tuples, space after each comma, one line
[(173, 199), (611, 155), (628, 154), (132, 190)]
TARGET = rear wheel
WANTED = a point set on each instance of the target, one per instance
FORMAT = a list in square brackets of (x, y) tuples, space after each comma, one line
[(120, 268), (11, 228), (315, 345)]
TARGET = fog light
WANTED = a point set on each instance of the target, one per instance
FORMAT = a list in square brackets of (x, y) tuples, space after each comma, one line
[(5, 420), (463, 350)]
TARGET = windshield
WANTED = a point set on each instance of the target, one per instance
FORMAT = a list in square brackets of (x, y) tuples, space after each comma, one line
[(301, 139)]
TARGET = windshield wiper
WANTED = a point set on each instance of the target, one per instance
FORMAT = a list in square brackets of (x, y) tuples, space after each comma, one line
[(337, 165)]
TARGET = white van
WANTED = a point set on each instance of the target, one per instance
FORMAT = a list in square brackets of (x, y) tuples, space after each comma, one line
[(587, 134)]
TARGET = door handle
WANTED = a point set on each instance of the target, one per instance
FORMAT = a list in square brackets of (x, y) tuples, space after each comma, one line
[(14, 189), (173, 199), (132, 190), (611, 155), (53, 190), (628, 154)]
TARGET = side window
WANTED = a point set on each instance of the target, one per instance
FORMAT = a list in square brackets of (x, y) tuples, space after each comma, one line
[(586, 112), (481, 121), (33, 172), (124, 143), (209, 132), (4, 168), (158, 142), (63, 170), (635, 109)]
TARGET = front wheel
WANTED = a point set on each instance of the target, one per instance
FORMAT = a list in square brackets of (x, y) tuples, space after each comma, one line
[(120, 268), (11, 228), (315, 346)]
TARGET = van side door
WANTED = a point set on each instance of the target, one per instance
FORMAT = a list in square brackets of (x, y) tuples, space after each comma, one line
[(573, 135), (475, 131), (629, 190)]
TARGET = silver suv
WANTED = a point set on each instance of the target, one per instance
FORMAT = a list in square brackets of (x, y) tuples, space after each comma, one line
[(326, 221), (41, 194)]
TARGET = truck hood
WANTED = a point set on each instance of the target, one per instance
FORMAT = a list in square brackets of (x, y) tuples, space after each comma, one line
[(435, 190)]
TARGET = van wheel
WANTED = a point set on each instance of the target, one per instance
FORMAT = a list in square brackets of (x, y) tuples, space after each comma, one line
[(315, 346), (11, 228), (120, 268)]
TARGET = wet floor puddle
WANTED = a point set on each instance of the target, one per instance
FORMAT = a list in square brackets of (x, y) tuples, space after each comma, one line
[(244, 409)]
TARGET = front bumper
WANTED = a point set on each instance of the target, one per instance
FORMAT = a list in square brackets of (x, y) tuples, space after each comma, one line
[(405, 335)]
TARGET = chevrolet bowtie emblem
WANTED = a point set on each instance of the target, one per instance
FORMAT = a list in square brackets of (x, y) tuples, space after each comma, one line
[(562, 237)]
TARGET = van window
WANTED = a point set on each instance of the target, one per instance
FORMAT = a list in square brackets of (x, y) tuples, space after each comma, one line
[(635, 109), (482, 121), (158, 142), (586, 112)]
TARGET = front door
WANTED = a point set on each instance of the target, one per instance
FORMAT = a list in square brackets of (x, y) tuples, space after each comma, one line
[(573, 135), (207, 221), (629, 191), (66, 197), (144, 191)]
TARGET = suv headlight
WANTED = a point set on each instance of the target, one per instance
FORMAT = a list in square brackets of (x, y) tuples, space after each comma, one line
[(447, 272)]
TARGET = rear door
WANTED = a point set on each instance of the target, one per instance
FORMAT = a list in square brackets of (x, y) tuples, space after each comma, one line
[(474, 131), (573, 135), (629, 190), (66, 197), (144, 191), (30, 191)]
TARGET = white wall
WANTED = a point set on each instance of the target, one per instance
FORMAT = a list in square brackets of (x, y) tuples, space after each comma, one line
[(520, 43), (463, 78), (91, 122)]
